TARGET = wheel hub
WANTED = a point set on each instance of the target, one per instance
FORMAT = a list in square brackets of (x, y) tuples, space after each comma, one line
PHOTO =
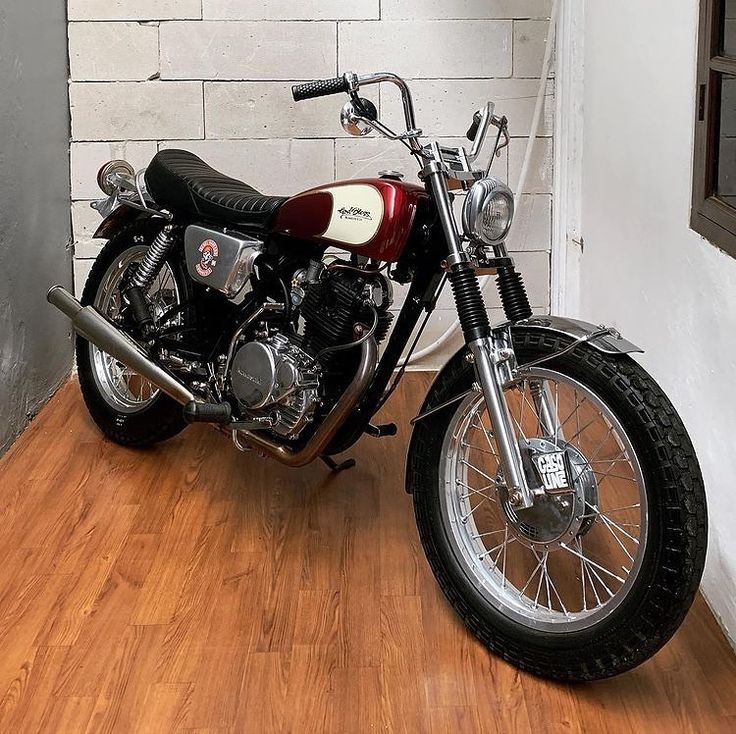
[(557, 516)]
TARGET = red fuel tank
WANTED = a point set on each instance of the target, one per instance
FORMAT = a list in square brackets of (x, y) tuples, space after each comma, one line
[(368, 216)]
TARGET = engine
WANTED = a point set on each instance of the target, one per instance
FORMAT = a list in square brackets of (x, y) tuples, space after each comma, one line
[(275, 378), (282, 378), (339, 300)]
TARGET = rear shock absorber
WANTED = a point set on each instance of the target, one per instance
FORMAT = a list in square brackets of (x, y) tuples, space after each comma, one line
[(144, 275)]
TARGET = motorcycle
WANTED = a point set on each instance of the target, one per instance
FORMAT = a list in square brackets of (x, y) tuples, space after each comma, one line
[(557, 495)]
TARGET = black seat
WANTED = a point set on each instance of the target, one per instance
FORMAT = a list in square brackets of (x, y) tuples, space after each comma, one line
[(184, 184)]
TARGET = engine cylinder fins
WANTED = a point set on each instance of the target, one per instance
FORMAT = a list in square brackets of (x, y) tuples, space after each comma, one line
[(332, 307)]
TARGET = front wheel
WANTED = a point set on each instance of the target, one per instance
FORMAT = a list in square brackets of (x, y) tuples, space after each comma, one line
[(599, 573)]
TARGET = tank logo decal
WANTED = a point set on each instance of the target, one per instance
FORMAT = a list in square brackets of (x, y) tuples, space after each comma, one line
[(354, 212), (208, 259), (357, 213)]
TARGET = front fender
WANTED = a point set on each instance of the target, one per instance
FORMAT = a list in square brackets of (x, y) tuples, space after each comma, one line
[(612, 343)]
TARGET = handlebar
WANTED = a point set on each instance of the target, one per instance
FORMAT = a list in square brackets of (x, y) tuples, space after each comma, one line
[(350, 83), (319, 88)]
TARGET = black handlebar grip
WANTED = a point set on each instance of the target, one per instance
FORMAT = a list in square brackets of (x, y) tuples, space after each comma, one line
[(319, 88), (473, 129)]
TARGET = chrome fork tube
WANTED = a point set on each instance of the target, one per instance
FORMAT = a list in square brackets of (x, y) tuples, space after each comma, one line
[(492, 370), (549, 420), (492, 355)]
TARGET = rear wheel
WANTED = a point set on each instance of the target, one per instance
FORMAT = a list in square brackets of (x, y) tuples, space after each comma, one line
[(126, 407), (597, 575)]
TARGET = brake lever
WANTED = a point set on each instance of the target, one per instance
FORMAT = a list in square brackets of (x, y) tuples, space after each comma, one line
[(502, 124)]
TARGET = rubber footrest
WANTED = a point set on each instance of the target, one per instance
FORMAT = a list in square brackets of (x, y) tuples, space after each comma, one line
[(207, 412)]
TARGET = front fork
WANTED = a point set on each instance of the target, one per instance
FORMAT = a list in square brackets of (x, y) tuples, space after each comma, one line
[(492, 351)]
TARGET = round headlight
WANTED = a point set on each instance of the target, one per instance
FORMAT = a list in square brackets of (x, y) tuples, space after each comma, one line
[(488, 211)]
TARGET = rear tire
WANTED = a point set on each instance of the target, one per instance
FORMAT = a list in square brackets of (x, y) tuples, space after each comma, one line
[(159, 419), (673, 555)]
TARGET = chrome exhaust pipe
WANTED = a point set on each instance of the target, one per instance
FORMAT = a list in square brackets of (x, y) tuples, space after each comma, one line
[(91, 325), (330, 425)]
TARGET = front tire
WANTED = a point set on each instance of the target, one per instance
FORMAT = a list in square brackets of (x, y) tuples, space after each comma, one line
[(127, 409), (566, 627)]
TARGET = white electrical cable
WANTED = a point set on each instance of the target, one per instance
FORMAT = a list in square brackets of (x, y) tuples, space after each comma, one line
[(536, 119)]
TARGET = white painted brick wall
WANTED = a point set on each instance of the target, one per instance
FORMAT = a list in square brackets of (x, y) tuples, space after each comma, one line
[(214, 76)]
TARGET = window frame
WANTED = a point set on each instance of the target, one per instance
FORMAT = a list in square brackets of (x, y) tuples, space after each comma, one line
[(710, 216)]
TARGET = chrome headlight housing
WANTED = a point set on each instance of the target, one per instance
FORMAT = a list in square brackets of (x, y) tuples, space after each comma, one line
[(488, 211)]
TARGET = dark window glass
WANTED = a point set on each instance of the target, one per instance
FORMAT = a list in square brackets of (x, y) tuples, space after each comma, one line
[(726, 164), (728, 19), (713, 212)]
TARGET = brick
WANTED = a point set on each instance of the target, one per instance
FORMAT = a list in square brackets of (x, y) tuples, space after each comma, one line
[(534, 267), (237, 50), (280, 167), (442, 9), (365, 157), (85, 221), (290, 10), (539, 177), (136, 111), (266, 110), (112, 51), (446, 107), (86, 159), (532, 226), (530, 39), (480, 48), (133, 9), (81, 271)]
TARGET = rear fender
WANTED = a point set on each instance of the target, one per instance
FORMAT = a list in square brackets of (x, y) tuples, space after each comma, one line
[(611, 343), (117, 220)]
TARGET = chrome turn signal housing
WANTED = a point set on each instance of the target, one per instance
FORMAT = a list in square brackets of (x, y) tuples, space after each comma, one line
[(488, 211), (105, 174)]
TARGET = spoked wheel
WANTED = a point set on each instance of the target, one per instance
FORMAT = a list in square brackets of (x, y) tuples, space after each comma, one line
[(569, 560), (124, 405), (596, 575), (124, 389)]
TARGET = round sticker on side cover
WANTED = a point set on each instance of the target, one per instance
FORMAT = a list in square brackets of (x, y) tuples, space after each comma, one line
[(208, 258)]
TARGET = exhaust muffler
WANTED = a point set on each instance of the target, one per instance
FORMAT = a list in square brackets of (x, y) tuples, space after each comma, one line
[(90, 324)]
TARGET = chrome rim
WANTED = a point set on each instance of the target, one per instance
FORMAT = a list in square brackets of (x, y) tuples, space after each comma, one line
[(568, 562), (123, 389)]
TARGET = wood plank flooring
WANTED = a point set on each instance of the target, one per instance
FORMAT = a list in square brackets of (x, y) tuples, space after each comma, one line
[(194, 588)]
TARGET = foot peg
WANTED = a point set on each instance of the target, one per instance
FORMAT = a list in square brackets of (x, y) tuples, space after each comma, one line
[(207, 412), (387, 429), (334, 466)]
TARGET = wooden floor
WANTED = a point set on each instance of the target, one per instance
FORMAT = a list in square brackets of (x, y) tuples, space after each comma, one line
[(191, 587)]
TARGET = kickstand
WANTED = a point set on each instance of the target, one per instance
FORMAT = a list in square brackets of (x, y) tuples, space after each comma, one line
[(334, 466)]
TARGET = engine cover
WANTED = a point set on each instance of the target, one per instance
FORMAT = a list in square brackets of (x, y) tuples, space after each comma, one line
[(274, 377)]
